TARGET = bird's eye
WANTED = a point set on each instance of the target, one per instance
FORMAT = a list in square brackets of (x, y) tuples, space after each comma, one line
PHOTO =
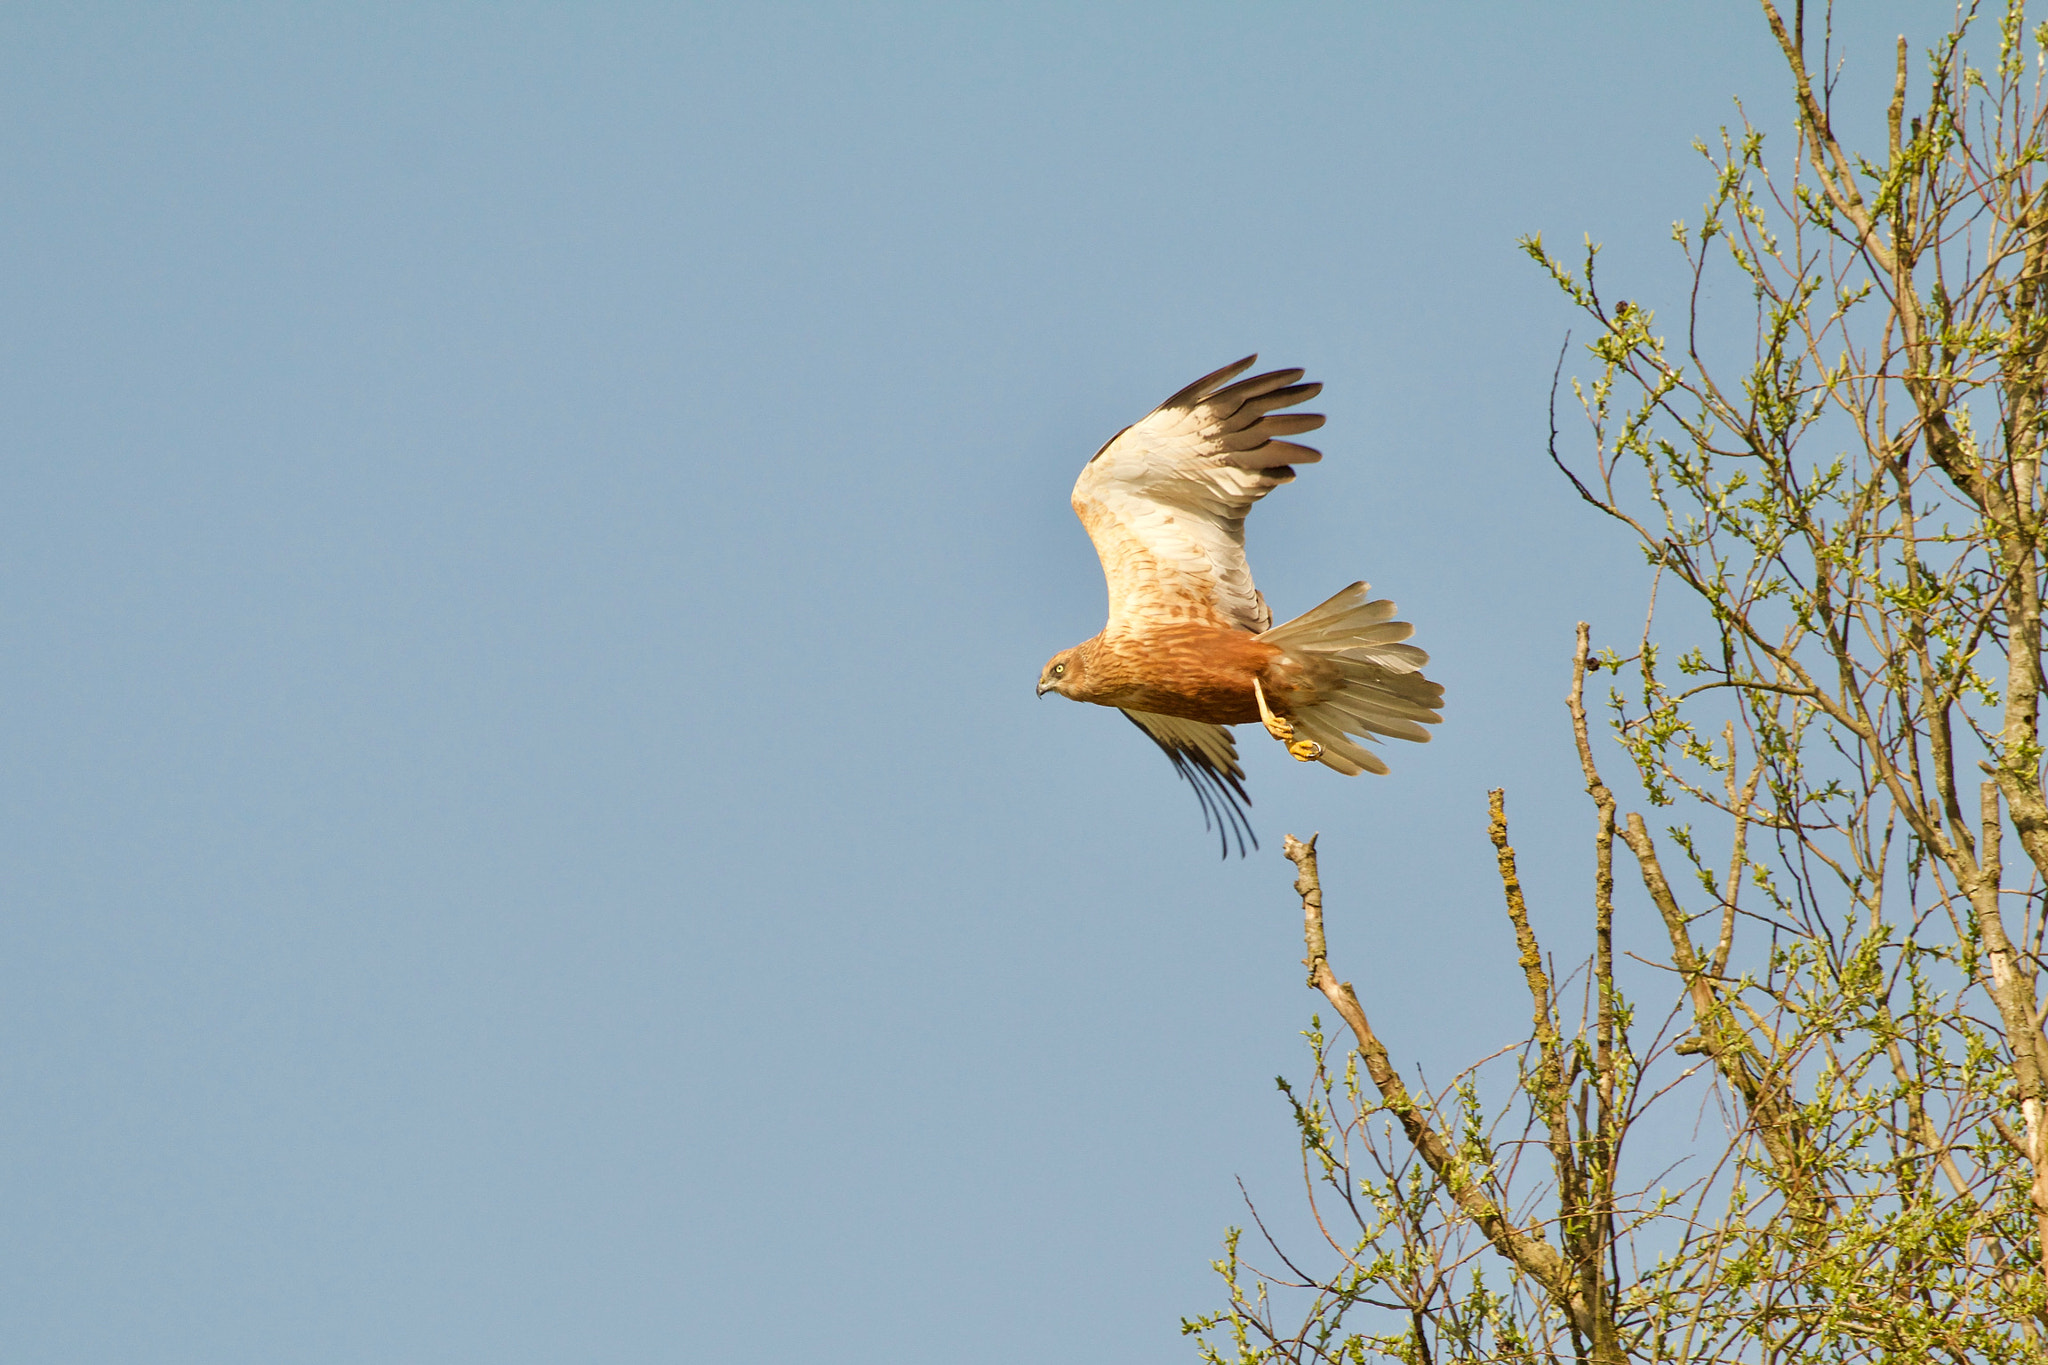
[(1058, 669)]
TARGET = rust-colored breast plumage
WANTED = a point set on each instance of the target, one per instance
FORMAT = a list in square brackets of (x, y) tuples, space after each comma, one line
[(1197, 672)]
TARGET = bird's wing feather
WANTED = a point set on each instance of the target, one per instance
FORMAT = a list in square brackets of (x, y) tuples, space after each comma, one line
[(1165, 500), (1206, 756)]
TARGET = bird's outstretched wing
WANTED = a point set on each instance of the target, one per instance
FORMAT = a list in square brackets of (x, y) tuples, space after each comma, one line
[(1206, 756), (1165, 500)]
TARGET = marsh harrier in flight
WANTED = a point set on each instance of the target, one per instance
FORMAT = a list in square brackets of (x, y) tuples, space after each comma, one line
[(1190, 646)]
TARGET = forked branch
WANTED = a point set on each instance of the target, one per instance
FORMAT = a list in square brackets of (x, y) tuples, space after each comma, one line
[(1524, 1248)]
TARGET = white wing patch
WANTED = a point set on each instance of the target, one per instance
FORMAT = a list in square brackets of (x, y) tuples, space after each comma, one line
[(1165, 500)]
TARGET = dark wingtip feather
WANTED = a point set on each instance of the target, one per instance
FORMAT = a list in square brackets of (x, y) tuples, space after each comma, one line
[(1220, 800), (1276, 387), (1213, 795), (1220, 794), (1208, 381)]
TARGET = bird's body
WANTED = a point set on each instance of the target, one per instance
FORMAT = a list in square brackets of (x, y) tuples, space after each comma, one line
[(1190, 646), (1190, 670)]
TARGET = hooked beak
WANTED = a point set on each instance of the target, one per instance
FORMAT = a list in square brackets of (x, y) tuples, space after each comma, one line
[(1043, 687)]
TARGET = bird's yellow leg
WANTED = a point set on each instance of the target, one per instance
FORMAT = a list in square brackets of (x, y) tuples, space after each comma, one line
[(1304, 750)]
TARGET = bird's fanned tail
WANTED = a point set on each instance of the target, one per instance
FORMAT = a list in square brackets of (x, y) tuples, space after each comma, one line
[(1375, 682)]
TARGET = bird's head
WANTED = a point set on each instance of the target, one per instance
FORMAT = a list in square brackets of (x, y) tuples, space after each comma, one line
[(1062, 673)]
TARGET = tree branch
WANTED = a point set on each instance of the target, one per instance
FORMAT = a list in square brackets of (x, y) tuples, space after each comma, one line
[(1526, 1250)]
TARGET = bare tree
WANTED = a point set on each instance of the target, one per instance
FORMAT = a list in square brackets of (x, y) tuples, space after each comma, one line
[(1851, 506)]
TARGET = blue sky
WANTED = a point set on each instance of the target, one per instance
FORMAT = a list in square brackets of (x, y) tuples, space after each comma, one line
[(528, 535)]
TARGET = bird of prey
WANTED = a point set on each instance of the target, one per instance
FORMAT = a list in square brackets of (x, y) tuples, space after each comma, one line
[(1190, 646)]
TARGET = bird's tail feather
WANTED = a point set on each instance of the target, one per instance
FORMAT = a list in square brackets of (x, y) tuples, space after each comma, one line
[(1379, 687)]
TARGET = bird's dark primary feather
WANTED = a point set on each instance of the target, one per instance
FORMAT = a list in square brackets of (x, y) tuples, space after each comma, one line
[(1219, 787)]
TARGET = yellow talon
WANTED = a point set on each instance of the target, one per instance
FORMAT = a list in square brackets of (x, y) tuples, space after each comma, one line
[(1304, 750)]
